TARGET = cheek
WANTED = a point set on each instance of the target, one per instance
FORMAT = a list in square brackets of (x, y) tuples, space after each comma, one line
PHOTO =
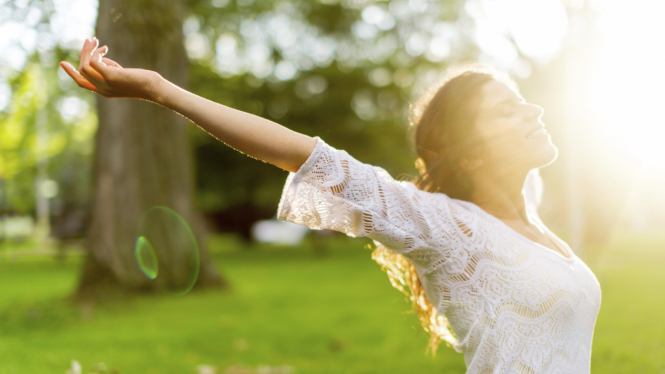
[(504, 144), (505, 140)]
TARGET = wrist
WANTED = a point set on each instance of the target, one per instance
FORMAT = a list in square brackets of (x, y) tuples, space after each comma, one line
[(155, 89)]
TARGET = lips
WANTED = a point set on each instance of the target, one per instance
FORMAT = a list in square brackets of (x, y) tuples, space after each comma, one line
[(536, 133)]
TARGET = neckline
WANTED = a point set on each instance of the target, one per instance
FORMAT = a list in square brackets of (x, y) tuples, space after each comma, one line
[(524, 238)]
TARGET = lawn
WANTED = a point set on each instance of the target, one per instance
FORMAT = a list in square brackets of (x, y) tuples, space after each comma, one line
[(291, 311)]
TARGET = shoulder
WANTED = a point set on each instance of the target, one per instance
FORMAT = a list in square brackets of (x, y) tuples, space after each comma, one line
[(446, 205)]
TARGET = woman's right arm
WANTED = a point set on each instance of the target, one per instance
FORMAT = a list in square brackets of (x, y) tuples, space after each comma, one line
[(250, 134), (245, 132)]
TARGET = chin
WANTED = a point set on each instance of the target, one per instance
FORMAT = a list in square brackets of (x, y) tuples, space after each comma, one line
[(547, 155)]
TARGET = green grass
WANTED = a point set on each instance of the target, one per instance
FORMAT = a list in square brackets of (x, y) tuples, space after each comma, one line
[(334, 314), (630, 330)]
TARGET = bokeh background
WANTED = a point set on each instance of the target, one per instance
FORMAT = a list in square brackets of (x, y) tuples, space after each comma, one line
[(279, 298)]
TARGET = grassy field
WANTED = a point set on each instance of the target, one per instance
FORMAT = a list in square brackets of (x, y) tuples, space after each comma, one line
[(291, 311)]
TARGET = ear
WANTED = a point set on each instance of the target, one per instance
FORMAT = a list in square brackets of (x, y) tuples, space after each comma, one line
[(471, 164)]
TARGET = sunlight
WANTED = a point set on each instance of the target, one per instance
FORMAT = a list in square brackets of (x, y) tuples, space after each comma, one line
[(629, 81), (536, 28)]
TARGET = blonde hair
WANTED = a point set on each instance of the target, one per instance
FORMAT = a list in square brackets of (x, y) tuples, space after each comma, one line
[(403, 276)]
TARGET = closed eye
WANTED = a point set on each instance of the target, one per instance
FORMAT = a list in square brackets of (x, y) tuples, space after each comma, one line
[(507, 108)]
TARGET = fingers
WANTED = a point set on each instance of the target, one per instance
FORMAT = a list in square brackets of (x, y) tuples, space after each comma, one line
[(93, 76), (94, 69), (110, 62), (78, 78), (102, 50), (86, 52), (107, 61), (99, 68)]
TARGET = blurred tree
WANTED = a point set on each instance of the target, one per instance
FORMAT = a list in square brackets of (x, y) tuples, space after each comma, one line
[(142, 154)]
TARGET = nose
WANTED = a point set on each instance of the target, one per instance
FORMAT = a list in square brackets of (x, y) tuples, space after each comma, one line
[(536, 111)]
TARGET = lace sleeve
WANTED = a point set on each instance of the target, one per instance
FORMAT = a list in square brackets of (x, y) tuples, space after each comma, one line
[(332, 190), (438, 235)]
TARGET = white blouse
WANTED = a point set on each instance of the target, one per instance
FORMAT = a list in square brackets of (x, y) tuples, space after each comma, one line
[(514, 305)]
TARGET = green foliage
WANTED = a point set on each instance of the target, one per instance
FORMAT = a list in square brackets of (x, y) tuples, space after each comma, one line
[(42, 98), (364, 89), (17, 137), (227, 178)]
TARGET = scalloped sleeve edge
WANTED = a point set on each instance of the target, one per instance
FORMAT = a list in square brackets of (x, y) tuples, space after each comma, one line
[(293, 179)]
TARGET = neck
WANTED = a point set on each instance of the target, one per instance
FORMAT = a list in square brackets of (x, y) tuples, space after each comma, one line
[(500, 195)]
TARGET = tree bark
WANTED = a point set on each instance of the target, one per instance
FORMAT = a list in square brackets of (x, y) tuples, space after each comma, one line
[(142, 155)]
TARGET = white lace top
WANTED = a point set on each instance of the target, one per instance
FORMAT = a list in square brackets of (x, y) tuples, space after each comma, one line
[(515, 305)]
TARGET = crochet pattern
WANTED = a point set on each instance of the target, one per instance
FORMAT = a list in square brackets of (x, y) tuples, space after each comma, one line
[(515, 305)]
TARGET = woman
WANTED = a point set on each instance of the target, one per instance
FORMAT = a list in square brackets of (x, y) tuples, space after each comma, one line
[(483, 272)]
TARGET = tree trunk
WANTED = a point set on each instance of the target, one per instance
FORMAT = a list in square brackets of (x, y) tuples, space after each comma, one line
[(142, 156)]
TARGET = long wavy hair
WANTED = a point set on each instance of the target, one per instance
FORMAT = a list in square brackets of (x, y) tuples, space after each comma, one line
[(441, 122)]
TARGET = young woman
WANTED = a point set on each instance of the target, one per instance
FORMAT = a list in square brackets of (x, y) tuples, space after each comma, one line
[(483, 271)]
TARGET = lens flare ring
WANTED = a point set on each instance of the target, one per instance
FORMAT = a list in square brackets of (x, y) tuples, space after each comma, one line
[(166, 250)]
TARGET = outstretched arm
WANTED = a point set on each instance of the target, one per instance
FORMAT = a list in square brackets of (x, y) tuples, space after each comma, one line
[(245, 132)]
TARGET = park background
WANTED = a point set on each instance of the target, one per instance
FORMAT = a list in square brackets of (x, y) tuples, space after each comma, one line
[(270, 298)]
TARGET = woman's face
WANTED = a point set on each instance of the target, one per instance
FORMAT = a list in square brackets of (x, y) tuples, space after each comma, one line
[(510, 131)]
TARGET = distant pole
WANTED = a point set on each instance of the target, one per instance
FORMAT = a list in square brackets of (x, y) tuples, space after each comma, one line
[(576, 220), (573, 95), (578, 62), (575, 202), (42, 230), (3, 210)]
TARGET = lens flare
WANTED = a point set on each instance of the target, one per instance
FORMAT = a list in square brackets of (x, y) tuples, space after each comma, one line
[(166, 242), (146, 257)]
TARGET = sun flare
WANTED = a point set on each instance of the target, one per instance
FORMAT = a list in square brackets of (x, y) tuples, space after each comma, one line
[(629, 82)]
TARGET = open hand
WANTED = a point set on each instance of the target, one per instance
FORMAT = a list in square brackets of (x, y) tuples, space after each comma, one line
[(107, 78)]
